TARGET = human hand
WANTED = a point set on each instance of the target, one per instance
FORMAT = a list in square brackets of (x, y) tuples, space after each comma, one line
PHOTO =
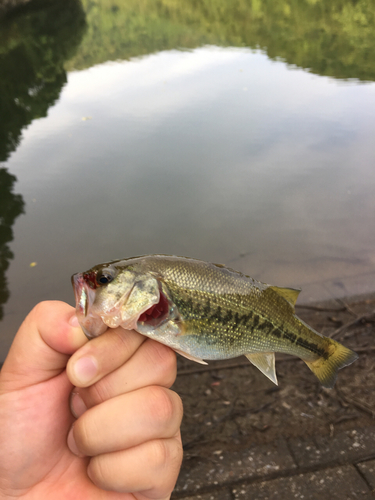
[(127, 430)]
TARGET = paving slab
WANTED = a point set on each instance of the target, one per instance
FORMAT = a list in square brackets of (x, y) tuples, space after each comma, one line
[(339, 483), (221, 469), (344, 447), (368, 471), (305, 451)]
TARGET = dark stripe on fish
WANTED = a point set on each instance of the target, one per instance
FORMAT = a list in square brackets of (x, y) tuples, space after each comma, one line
[(189, 304), (246, 317), (290, 336), (295, 339), (207, 308), (312, 347), (256, 323), (197, 310), (236, 320), (217, 314), (265, 327), (227, 318), (276, 332)]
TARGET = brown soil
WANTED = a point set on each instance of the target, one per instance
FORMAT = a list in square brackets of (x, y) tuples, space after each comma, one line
[(231, 405)]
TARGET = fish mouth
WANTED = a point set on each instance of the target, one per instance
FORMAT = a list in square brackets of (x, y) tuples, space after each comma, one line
[(91, 324), (81, 294), (157, 314)]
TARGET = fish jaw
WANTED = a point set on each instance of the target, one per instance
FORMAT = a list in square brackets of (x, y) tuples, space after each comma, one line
[(90, 322), (100, 306)]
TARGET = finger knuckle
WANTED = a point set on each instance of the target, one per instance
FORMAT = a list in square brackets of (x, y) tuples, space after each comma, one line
[(98, 472), (84, 434), (100, 391), (179, 409), (175, 458), (160, 454), (161, 404), (42, 308), (164, 359), (167, 459), (124, 340)]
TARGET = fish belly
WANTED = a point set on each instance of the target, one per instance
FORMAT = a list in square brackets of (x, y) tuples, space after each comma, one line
[(215, 340)]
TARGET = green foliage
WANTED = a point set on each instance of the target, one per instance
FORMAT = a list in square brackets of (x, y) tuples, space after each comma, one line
[(335, 38), (35, 41)]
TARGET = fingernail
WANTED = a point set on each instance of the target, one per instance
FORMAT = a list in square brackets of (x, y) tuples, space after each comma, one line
[(85, 369), (74, 321), (77, 405), (72, 444)]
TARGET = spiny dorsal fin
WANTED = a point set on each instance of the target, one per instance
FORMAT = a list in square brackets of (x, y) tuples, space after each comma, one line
[(289, 294), (265, 362)]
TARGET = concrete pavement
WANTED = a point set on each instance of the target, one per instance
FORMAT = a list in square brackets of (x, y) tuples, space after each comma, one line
[(338, 467)]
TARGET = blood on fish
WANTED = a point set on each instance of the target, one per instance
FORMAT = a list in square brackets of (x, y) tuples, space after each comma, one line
[(156, 311), (90, 279)]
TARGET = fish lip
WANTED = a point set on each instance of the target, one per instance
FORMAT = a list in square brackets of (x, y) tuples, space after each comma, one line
[(78, 288), (91, 323), (83, 295)]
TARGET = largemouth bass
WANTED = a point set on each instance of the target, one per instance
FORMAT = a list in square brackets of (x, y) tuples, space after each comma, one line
[(204, 311)]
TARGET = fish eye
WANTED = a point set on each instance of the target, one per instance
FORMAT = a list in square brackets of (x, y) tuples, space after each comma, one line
[(105, 276)]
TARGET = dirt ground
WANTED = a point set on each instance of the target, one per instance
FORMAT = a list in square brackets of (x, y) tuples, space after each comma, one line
[(229, 405)]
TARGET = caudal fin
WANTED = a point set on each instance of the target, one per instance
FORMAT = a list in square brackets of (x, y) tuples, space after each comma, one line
[(326, 367)]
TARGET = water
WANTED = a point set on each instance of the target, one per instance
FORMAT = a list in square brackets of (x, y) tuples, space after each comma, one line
[(225, 153)]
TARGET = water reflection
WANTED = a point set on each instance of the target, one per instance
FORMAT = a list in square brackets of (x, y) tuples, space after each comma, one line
[(35, 41), (217, 153), (335, 38), (11, 206)]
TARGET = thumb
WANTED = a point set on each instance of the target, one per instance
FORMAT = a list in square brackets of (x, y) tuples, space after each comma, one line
[(42, 346)]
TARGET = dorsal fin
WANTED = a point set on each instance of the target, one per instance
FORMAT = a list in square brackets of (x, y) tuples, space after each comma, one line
[(265, 362), (289, 294)]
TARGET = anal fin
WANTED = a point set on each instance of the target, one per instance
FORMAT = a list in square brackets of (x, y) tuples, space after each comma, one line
[(265, 362), (192, 358)]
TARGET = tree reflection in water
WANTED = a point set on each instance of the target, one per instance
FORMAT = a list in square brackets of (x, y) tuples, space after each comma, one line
[(11, 206), (36, 39)]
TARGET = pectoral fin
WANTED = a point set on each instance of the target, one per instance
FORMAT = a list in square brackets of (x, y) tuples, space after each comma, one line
[(192, 358), (265, 362)]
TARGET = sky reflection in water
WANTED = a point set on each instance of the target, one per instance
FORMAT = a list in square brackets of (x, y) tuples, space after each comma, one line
[(219, 154)]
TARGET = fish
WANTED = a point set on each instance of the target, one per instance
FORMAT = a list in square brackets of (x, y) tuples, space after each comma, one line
[(204, 311)]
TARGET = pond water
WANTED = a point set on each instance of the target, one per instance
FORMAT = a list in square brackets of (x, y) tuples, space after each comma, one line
[(199, 143)]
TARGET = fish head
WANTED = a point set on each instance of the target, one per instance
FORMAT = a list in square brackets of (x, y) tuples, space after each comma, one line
[(100, 294)]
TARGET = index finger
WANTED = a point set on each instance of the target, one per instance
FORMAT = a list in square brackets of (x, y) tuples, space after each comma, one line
[(102, 355), (42, 346), (152, 364)]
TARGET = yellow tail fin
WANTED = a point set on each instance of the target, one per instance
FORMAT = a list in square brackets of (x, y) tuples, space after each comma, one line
[(326, 367)]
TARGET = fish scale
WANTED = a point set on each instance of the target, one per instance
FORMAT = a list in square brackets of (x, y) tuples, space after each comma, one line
[(229, 327), (204, 311), (228, 335)]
